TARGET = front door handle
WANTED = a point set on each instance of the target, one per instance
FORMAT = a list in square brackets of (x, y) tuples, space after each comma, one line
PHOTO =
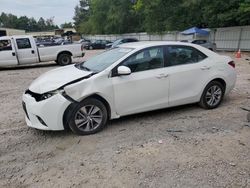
[(32, 51), (160, 76), (13, 54), (205, 68)]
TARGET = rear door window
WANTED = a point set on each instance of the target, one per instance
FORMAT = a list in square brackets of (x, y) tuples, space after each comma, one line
[(23, 43), (5, 45), (181, 55)]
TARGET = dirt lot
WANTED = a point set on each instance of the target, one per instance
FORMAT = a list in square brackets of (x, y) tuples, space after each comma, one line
[(178, 147)]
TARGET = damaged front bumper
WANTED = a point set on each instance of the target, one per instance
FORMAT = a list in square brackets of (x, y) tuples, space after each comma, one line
[(46, 114)]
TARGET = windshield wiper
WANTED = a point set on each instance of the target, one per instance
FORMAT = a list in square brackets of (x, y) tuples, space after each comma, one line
[(82, 67), (85, 68)]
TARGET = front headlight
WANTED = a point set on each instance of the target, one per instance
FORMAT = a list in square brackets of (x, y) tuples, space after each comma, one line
[(51, 94)]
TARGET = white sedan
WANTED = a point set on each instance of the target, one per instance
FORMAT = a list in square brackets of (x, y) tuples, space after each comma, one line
[(132, 78)]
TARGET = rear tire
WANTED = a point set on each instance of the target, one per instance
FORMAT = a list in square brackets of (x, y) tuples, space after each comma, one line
[(91, 48), (212, 95), (88, 117), (64, 59)]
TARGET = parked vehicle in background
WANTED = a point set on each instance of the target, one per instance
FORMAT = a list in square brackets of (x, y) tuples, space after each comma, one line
[(62, 41), (66, 42), (53, 42), (121, 41), (131, 78), (83, 41), (20, 50), (108, 42), (96, 44), (205, 43), (45, 42)]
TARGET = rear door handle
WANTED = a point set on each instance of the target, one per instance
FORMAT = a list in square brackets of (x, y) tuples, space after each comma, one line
[(205, 68), (160, 76)]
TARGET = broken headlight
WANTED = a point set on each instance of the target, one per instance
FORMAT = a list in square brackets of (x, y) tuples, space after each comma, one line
[(51, 94)]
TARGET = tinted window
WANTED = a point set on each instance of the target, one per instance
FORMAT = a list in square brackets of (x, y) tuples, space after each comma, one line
[(23, 43), (104, 42), (132, 40), (5, 45), (179, 55), (98, 42), (147, 59), (199, 41)]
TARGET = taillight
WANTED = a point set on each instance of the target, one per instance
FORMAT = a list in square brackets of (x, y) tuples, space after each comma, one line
[(232, 64)]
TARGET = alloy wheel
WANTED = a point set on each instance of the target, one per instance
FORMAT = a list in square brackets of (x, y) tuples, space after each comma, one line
[(213, 95), (88, 118)]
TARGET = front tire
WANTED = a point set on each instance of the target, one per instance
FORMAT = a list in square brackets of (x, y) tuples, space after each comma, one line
[(88, 117), (212, 95), (64, 59)]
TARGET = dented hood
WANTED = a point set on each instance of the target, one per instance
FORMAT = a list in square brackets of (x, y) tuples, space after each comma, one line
[(56, 78)]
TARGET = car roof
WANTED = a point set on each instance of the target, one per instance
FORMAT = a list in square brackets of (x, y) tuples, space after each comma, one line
[(145, 44)]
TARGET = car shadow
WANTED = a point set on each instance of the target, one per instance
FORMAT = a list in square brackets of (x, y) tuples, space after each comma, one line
[(154, 114), (124, 122), (51, 134)]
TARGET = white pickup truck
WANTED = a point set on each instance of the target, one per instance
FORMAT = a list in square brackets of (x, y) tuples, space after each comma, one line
[(21, 50)]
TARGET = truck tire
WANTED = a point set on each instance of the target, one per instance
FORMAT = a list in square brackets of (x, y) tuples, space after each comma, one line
[(64, 59)]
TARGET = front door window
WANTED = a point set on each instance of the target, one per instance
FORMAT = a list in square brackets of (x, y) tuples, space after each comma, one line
[(147, 59)]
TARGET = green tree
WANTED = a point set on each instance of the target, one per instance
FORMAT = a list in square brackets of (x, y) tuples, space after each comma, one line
[(41, 24), (244, 13), (122, 16), (32, 25), (82, 12), (25, 23), (22, 23), (67, 25), (110, 16), (50, 24)]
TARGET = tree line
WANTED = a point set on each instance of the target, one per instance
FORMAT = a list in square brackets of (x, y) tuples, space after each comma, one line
[(152, 16), (156, 16), (29, 24)]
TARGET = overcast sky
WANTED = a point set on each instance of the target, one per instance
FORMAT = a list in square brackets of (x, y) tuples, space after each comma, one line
[(62, 10)]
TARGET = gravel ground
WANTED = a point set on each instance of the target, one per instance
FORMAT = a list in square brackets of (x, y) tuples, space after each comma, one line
[(179, 147)]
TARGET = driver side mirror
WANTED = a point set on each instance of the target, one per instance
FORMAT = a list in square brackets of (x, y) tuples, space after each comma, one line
[(123, 70)]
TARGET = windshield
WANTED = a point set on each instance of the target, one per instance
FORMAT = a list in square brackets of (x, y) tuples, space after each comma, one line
[(104, 60)]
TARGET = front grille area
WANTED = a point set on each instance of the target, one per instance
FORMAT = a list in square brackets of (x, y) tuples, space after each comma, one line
[(25, 109), (36, 96)]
